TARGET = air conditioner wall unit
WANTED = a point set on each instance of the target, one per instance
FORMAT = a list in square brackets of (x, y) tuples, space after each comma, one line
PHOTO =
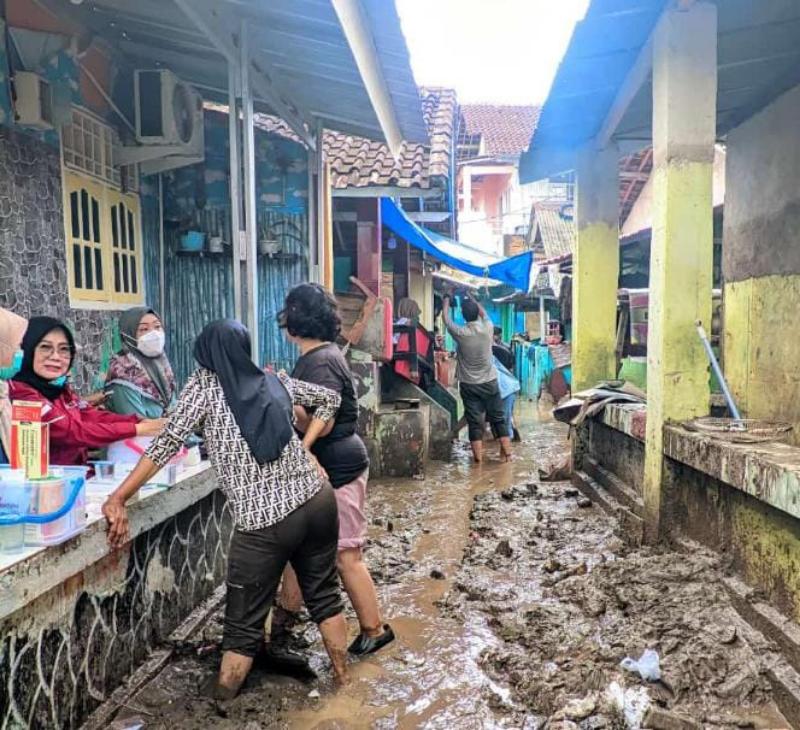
[(33, 106), (169, 123)]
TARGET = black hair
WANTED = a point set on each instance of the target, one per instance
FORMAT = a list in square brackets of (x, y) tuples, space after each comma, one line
[(470, 310), (311, 311), (498, 331)]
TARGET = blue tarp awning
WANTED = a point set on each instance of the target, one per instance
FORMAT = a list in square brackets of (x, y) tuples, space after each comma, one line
[(514, 271)]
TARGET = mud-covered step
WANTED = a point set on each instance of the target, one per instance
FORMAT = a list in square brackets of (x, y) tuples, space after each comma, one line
[(768, 620), (623, 493), (785, 683), (632, 525)]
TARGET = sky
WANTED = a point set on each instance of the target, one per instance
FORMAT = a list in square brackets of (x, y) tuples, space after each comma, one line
[(500, 51)]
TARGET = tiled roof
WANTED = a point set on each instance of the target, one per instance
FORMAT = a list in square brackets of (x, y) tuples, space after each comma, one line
[(553, 228), (357, 162), (495, 130)]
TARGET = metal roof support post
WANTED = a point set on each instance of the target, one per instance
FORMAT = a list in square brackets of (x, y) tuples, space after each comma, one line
[(681, 254), (249, 166), (313, 204), (234, 140), (321, 194)]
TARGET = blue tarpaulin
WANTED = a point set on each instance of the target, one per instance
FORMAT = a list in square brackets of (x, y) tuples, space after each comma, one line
[(514, 271)]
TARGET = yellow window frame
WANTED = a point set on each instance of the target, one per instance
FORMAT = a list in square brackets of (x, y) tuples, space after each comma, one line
[(81, 191), (125, 247)]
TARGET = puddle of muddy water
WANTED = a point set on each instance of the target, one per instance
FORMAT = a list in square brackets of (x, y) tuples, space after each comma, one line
[(513, 624)]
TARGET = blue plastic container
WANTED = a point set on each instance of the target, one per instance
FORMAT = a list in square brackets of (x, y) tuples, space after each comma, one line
[(193, 241)]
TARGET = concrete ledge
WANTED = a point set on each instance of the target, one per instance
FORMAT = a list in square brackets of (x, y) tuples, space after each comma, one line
[(769, 472), (632, 525), (44, 568), (629, 418), (624, 494)]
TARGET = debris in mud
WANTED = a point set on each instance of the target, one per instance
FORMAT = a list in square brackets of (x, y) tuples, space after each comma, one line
[(559, 472), (659, 719), (571, 492), (504, 548), (553, 566), (590, 600), (584, 502), (578, 709), (437, 574)]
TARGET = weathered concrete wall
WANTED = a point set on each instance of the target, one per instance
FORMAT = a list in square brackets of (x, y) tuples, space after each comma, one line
[(402, 440), (62, 653), (761, 262), (762, 204), (762, 542), (738, 499), (617, 452), (33, 253)]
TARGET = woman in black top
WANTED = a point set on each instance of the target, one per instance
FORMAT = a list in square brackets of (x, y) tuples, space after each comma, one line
[(312, 322)]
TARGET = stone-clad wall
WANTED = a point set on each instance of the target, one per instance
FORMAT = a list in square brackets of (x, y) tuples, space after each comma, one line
[(33, 264), (64, 652)]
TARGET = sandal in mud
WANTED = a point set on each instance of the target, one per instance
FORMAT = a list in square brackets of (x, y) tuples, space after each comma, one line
[(364, 644)]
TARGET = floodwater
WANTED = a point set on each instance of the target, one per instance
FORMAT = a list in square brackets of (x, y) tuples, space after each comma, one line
[(512, 604)]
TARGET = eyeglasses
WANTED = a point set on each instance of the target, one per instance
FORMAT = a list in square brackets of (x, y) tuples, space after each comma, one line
[(46, 350)]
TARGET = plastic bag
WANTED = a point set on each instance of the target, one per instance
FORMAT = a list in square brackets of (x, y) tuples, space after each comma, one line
[(632, 703), (647, 666)]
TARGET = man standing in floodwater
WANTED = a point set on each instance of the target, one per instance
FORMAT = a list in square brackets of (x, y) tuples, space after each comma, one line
[(477, 376)]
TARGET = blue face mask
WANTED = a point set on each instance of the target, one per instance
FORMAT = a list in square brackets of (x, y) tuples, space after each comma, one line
[(9, 371), (59, 381)]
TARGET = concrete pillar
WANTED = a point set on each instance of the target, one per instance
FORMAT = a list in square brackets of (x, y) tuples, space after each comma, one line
[(761, 263), (681, 258), (596, 269), (368, 243)]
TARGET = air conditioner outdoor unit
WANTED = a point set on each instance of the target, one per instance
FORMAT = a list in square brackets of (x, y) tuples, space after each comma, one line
[(169, 124), (33, 106)]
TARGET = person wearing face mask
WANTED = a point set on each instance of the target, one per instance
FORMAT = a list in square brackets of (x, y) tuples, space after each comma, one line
[(140, 379), (12, 328), (75, 427)]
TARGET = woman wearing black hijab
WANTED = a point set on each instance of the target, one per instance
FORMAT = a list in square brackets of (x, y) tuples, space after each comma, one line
[(75, 427), (283, 508)]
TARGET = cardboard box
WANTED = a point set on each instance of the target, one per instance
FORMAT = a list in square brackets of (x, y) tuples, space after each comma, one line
[(30, 439)]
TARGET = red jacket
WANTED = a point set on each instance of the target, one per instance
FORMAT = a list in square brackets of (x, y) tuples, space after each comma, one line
[(76, 427)]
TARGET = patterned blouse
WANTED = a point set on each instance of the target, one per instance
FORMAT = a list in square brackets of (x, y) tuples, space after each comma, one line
[(259, 495)]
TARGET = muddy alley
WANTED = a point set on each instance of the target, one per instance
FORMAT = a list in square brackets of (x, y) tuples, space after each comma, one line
[(514, 601)]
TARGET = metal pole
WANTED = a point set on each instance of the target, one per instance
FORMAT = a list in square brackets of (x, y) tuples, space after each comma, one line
[(235, 188), (248, 134), (162, 274), (312, 212), (542, 320), (321, 198), (718, 371)]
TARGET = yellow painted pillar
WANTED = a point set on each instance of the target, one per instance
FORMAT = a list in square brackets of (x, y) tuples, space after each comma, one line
[(596, 269), (681, 256)]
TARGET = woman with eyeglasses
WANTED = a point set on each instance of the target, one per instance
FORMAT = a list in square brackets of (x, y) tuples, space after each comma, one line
[(48, 349)]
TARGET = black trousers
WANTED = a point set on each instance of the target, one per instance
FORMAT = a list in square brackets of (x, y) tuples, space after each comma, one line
[(307, 538), (480, 399)]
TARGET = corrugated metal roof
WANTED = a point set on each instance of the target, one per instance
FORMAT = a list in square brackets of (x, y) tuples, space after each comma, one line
[(299, 44), (757, 61)]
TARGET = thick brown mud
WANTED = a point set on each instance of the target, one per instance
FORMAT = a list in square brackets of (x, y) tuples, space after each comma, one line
[(513, 606)]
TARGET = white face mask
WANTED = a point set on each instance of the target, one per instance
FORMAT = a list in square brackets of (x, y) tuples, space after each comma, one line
[(151, 344)]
